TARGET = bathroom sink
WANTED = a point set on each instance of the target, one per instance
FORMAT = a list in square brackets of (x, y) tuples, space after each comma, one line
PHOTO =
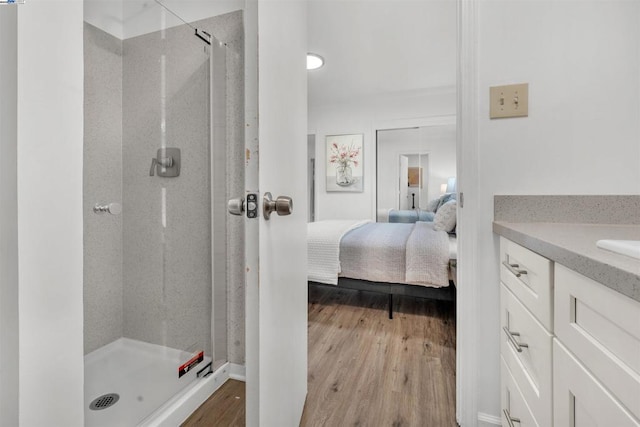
[(625, 247)]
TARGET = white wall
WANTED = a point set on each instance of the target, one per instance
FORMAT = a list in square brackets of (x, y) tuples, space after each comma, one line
[(50, 99), (582, 136), (366, 116), (8, 218)]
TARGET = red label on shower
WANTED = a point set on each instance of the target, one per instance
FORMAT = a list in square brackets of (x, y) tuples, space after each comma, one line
[(186, 367)]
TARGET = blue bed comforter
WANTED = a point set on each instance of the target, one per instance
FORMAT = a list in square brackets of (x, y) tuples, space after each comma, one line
[(410, 216)]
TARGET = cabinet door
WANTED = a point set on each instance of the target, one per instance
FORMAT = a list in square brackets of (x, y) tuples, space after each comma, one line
[(529, 276), (602, 328), (579, 399), (526, 349), (514, 406)]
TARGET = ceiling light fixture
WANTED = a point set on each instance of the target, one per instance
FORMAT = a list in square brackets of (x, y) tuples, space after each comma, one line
[(314, 61)]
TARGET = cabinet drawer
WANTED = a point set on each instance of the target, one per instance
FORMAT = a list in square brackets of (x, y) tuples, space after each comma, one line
[(513, 403), (602, 328), (580, 399), (531, 366), (529, 276)]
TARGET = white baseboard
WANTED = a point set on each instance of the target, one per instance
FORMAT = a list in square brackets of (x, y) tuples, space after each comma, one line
[(237, 372), (485, 420)]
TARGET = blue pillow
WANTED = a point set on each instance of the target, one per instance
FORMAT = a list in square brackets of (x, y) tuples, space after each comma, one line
[(445, 198)]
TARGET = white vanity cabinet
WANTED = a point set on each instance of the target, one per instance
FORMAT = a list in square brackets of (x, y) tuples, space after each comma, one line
[(570, 346), (596, 353), (526, 314)]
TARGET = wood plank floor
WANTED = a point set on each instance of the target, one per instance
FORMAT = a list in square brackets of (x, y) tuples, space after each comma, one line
[(224, 409), (364, 369), (367, 370)]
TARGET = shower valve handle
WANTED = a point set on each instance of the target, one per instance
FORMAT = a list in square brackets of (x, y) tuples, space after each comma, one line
[(165, 162)]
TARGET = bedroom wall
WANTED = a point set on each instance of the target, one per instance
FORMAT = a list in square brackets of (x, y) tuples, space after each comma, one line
[(577, 58), (365, 116)]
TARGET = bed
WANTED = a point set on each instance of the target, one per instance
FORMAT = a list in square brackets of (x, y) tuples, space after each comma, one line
[(410, 216), (392, 258)]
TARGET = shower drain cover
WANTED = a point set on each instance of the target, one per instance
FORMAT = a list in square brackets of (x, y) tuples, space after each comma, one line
[(104, 401)]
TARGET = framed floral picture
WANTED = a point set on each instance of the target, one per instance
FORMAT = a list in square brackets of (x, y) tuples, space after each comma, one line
[(344, 163)]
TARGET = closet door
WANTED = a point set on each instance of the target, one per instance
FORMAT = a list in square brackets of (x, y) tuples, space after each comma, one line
[(404, 183)]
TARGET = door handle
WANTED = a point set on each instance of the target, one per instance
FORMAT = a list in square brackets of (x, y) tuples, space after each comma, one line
[(283, 205), (510, 419), (514, 268), (511, 335)]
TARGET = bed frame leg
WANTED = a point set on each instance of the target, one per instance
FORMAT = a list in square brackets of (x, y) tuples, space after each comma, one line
[(390, 306)]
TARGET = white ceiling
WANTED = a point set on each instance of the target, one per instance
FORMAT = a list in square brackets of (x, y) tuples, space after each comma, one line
[(374, 47)]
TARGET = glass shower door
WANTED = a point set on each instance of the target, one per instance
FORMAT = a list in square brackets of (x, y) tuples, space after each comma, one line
[(156, 141), (166, 192)]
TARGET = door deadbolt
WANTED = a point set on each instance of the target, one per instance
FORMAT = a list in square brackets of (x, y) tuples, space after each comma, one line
[(283, 205)]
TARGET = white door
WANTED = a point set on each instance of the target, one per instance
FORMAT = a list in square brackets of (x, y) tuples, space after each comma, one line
[(403, 184), (277, 295)]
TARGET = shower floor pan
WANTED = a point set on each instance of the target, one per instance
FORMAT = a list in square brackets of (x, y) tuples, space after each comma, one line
[(144, 376)]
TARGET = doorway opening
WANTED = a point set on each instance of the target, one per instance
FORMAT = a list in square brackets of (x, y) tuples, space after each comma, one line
[(379, 89)]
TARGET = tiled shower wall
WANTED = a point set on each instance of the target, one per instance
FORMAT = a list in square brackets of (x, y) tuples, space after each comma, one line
[(102, 169), (166, 297)]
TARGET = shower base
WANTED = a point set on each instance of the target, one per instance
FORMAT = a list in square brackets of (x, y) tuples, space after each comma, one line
[(145, 378)]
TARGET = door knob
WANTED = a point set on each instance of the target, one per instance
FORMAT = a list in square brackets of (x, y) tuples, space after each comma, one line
[(283, 205)]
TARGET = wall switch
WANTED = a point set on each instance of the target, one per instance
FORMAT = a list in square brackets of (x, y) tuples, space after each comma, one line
[(509, 101)]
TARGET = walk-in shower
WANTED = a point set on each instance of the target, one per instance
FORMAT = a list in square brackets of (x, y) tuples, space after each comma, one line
[(163, 279)]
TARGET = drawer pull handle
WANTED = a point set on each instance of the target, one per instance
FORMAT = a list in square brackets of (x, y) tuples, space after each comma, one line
[(511, 335), (510, 419), (514, 269)]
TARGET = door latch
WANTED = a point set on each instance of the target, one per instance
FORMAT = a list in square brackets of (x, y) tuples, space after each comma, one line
[(238, 206)]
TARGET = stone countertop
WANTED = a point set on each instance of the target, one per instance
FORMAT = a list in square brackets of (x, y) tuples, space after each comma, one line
[(574, 246)]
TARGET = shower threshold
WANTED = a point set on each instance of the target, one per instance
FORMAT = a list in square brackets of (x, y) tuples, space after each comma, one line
[(145, 378)]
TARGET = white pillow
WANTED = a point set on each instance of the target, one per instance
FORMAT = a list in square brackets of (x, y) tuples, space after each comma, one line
[(445, 218)]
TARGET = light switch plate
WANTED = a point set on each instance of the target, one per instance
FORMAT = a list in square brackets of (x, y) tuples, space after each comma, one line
[(509, 101)]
